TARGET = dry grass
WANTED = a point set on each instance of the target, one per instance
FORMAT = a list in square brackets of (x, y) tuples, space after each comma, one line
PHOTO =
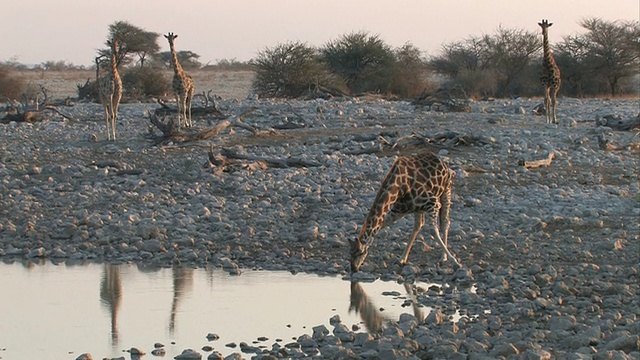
[(228, 84)]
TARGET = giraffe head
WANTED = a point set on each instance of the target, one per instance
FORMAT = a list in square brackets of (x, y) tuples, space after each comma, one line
[(545, 24), (170, 36), (358, 252), (113, 45)]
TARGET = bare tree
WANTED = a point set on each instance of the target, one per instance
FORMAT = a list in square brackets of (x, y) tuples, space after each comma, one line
[(489, 64), (615, 49)]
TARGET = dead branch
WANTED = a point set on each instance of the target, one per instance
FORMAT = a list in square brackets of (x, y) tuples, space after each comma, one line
[(617, 123), (444, 140), (445, 99), (537, 163), (171, 134), (210, 109), (30, 107), (230, 158), (209, 99), (605, 144)]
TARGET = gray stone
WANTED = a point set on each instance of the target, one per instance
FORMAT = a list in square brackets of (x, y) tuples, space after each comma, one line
[(189, 354)]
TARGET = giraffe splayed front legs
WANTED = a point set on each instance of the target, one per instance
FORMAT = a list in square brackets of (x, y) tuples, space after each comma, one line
[(550, 76), (418, 184)]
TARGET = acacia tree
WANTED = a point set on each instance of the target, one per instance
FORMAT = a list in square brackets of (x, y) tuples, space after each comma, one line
[(573, 56), (364, 61), (133, 40), (188, 59), (492, 64), (508, 52), (409, 72), (289, 70), (614, 48)]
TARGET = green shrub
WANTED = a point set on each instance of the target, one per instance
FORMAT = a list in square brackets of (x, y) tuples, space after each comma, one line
[(144, 81), (409, 78), (11, 85), (364, 61), (288, 70)]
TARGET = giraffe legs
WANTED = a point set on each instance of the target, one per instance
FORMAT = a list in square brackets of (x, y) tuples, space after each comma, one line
[(554, 98), (444, 221), (107, 116), (188, 109), (550, 99), (436, 234), (114, 117), (417, 225), (110, 119)]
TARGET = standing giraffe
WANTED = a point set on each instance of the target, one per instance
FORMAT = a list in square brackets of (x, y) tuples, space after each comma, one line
[(110, 88), (550, 76), (419, 184), (182, 85)]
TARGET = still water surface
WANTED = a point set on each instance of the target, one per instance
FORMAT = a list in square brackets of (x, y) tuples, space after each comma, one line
[(50, 311)]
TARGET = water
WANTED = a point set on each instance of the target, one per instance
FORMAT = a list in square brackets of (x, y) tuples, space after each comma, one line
[(50, 311)]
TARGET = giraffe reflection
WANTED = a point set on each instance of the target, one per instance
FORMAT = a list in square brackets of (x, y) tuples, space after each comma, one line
[(182, 283), (372, 317), (111, 296)]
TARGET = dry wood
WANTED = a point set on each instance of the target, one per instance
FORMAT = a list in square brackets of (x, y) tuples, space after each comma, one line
[(30, 107), (616, 123), (605, 144), (171, 134), (226, 158), (210, 109), (537, 163)]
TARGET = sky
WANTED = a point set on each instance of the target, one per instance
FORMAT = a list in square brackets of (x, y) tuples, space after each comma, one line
[(37, 31)]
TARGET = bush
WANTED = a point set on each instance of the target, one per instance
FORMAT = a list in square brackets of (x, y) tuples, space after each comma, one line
[(288, 70), (11, 85), (144, 81), (364, 61), (409, 76)]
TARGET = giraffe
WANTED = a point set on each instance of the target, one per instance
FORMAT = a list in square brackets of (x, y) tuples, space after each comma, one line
[(110, 89), (418, 184), (550, 76), (183, 87)]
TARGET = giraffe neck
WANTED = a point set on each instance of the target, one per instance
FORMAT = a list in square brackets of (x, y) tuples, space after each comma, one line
[(548, 54), (372, 225), (114, 64), (385, 198), (176, 65)]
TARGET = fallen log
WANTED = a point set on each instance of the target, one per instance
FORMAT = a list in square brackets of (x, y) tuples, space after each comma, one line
[(230, 160), (617, 123), (605, 144), (171, 133), (537, 163), (277, 163)]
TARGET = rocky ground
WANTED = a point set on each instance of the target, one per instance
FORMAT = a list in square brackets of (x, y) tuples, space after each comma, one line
[(550, 255)]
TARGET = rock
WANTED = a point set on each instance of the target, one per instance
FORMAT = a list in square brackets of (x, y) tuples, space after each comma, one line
[(158, 352), (626, 343), (137, 352), (189, 354)]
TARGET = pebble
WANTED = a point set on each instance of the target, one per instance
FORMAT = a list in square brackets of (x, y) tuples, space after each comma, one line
[(548, 254)]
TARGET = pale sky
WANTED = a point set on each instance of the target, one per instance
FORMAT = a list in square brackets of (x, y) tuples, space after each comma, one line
[(36, 31)]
